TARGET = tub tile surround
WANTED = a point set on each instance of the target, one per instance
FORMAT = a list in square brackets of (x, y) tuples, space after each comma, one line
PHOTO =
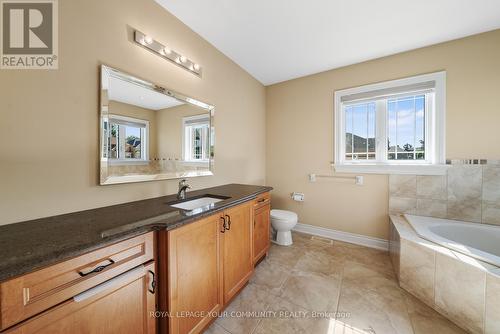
[(492, 320), (403, 186), (460, 292), (491, 195), (468, 192), (463, 289), (431, 187), (355, 285), (418, 276)]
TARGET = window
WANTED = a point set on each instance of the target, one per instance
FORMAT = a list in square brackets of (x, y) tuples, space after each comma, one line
[(127, 140), (391, 127), (196, 137)]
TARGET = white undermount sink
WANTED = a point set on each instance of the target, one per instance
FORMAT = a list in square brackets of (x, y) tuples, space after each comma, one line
[(196, 203)]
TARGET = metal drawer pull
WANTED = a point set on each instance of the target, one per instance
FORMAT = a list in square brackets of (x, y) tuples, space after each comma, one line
[(97, 269), (152, 288), (228, 222), (108, 284), (223, 225)]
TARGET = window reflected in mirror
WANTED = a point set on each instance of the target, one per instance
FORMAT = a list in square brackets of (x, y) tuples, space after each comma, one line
[(196, 138), (126, 140)]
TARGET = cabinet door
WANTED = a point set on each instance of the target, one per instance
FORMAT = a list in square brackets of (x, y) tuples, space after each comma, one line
[(237, 249), (261, 231), (194, 275), (124, 304)]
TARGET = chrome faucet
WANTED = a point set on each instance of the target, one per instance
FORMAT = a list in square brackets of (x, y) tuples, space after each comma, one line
[(183, 186)]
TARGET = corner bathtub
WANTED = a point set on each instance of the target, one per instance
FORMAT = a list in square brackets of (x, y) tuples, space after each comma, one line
[(479, 241)]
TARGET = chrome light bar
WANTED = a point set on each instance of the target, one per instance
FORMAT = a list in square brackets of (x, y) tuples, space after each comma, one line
[(165, 52)]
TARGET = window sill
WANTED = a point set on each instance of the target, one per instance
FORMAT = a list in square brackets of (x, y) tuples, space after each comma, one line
[(391, 169), (195, 162), (124, 162)]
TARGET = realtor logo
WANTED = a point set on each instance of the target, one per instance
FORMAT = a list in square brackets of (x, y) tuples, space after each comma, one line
[(29, 34)]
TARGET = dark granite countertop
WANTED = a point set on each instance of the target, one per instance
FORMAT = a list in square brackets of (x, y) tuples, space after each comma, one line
[(30, 245)]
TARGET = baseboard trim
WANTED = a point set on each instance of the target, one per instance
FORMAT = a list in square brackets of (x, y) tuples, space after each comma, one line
[(353, 238)]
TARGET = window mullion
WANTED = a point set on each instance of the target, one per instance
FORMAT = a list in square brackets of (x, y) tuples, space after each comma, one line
[(381, 131), (429, 130), (121, 141)]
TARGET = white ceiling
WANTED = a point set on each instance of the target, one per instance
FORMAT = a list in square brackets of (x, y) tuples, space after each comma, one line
[(278, 40), (127, 92)]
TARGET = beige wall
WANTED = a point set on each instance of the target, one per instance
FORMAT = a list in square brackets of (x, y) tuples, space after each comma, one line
[(171, 131), (299, 117), (49, 119)]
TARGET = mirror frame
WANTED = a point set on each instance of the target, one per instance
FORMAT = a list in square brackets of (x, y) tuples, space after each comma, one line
[(105, 178)]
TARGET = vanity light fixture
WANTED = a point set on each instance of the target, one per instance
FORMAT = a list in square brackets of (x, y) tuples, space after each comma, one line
[(163, 51)]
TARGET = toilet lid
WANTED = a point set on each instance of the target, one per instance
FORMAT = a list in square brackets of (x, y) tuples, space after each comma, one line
[(283, 214)]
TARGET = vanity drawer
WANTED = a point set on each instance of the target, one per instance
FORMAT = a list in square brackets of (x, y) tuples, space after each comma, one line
[(262, 199), (30, 294)]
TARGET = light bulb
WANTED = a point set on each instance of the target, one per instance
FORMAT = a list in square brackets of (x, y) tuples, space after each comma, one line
[(167, 51), (183, 59), (177, 60), (196, 67), (148, 39)]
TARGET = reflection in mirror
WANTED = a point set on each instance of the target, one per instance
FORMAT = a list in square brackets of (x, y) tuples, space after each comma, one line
[(151, 133)]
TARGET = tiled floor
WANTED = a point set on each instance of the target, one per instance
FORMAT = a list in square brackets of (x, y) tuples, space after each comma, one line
[(323, 287)]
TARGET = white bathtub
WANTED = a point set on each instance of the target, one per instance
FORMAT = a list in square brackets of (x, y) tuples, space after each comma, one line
[(480, 241)]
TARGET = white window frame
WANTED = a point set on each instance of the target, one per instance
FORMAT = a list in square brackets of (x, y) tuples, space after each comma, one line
[(144, 143), (203, 118), (435, 118)]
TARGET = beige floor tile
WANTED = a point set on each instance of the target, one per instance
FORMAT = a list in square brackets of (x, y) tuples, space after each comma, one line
[(375, 259), (319, 262), (309, 242), (216, 329), (374, 311), (373, 300), (270, 276), (313, 276), (288, 318), (425, 320), (251, 300), (287, 256), (367, 277), (312, 291)]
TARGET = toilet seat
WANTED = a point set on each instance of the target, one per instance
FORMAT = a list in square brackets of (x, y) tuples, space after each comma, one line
[(284, 215)]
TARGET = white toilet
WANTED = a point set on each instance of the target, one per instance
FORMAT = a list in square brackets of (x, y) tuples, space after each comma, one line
[(283, 222)]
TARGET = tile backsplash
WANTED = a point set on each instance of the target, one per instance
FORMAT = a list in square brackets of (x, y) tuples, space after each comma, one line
[(469, 191)]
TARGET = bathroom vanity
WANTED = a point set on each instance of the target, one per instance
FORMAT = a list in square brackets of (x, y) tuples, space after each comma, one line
[(108, 270)]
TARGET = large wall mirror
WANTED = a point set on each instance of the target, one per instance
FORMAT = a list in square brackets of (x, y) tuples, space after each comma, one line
[(148, 132)]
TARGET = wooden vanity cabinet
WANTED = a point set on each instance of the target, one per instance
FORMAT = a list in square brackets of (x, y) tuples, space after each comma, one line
[(125, 306), (208, 262), (237, 249), (109, 290), (191, 276), (261, 225)]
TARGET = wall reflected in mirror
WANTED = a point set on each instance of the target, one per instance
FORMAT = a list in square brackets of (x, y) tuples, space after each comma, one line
[(151, 133)]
